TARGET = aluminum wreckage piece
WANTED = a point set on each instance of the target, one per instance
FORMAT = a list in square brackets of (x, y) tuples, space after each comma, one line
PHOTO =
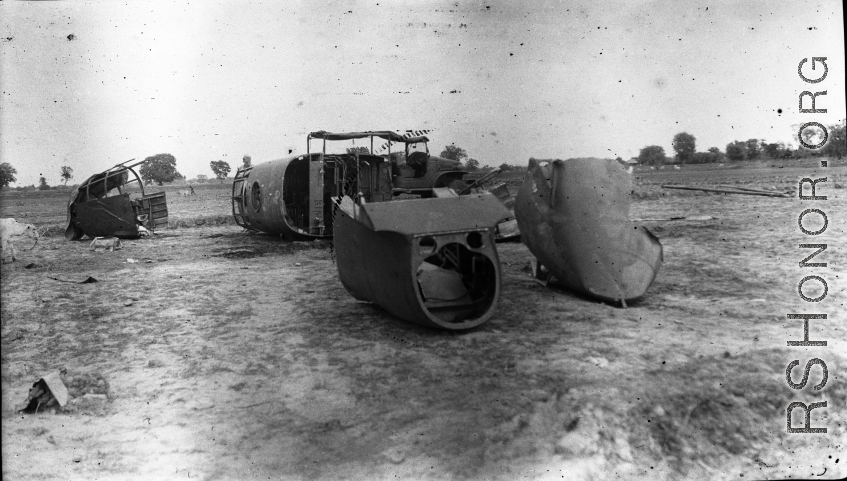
[(574, 218), (100, 207), (427, 261), (293, 197)]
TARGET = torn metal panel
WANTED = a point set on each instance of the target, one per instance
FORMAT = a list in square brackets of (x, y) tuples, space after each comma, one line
[(573, 216), (508, 229), (99, 207), (427, 261)]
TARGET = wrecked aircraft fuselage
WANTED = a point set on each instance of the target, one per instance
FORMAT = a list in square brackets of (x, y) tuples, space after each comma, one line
[(428, 261), (574, 218), (99, 207), (294, 196)]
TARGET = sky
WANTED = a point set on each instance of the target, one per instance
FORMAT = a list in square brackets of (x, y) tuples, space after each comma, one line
[(92, 84)]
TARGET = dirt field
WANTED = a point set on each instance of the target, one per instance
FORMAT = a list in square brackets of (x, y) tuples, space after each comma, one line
[(237, 356)]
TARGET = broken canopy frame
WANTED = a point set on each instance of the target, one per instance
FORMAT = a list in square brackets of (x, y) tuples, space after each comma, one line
[(95, 210), (573, 216), (427, 261)]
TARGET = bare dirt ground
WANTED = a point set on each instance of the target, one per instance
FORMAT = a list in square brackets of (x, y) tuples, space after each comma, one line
[(237, 356)]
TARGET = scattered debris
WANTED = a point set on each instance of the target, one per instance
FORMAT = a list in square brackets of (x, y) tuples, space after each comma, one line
[(88, 280), (46, 393), (240, 253), (731, 190), (574, 218), (508, 229), (664, 219)]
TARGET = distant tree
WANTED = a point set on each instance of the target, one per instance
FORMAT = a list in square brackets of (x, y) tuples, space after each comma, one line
[(7, 174), (220, 168), (67, 173), (160, 168), (771, 150), (42, 184), (836, 146), (736, 150), (358, 150), (472, 164), (504, 167), (454, 152), (754, 149), (651, 155), (202, 178), (248, 161), (684, 146)]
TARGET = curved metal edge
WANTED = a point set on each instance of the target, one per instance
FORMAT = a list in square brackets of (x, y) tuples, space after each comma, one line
[(553, 232), (381, 267)]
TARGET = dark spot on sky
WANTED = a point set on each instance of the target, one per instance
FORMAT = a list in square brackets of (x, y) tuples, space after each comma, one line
[(813, 28), (71, 37), (779, 111)]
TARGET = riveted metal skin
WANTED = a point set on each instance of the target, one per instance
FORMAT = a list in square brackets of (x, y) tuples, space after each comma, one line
[(573, 216), (260, 202), (428, 261), (293, 197)]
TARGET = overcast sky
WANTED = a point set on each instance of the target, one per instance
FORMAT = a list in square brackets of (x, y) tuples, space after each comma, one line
[(91, 84)]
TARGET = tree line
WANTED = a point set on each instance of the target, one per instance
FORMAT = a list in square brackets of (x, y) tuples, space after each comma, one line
[(685, 151), (161, 168)]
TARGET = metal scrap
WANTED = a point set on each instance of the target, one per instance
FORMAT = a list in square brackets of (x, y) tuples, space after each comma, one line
[(427, 261), (99, 207), (573, 217), (725, 189), (48, 392)]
